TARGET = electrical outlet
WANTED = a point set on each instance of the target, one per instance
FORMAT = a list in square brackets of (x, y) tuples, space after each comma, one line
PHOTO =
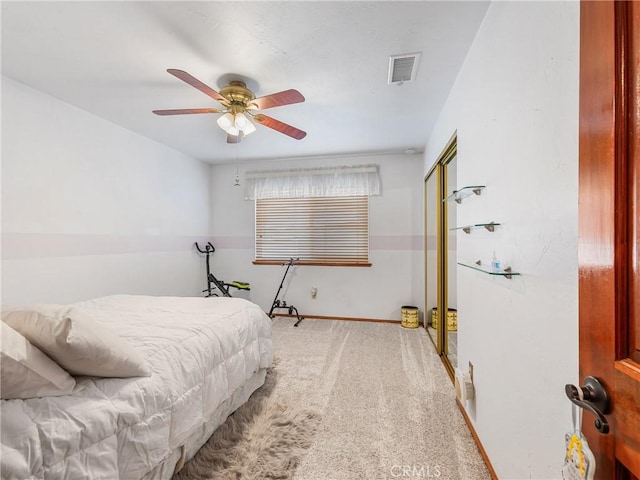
[(314, 292), (471, 371)]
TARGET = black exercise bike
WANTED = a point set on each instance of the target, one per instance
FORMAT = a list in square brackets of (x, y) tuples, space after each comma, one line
[(213, 282), (281, 303)]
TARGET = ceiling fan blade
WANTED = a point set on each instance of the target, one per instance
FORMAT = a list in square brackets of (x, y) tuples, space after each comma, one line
[(276, 99), (280, 126), (233, 138), (185, 111), (194, 82)]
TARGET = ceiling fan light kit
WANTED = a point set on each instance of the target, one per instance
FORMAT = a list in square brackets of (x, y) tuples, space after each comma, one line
[(239, 103), (234, 123)]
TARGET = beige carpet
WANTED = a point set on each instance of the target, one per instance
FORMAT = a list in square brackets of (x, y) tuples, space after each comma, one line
[(387, 406)]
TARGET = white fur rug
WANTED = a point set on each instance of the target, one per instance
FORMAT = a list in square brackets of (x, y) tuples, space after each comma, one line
[(263, 440)]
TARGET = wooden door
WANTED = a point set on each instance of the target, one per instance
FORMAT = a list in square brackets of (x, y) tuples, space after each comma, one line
[(609, 266)]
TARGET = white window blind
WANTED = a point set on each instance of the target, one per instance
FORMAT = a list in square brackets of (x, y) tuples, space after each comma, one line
[(317, 230)]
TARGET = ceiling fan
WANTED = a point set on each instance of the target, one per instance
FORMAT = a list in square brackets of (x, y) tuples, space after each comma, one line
[(240, 105)]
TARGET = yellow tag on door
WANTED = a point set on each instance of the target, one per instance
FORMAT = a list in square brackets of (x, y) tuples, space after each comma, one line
[(579, 462)]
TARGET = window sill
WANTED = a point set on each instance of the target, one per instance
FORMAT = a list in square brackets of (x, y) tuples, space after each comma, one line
[(312, 263)]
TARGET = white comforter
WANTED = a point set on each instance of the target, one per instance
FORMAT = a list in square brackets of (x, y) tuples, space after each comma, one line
[(200, 350)]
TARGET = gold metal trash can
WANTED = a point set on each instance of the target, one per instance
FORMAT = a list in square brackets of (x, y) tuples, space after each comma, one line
[(409, 317), (452, 319)]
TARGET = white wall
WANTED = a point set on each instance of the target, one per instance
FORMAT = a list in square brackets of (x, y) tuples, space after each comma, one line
[(91, 209), (396, 245), (515, 109)]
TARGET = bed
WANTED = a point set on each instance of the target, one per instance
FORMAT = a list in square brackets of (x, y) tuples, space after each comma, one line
[(204, 357)]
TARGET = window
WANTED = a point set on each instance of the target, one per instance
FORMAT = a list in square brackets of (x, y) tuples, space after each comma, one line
[(317, 215), (317, 230)]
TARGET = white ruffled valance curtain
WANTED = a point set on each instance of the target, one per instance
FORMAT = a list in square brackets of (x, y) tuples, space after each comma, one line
[(345, 181)]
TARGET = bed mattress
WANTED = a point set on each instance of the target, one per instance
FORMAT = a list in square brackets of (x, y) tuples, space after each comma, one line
[(206, 354)]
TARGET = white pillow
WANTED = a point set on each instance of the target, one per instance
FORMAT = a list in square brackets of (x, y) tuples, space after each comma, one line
[(26, 372), (77, 342)]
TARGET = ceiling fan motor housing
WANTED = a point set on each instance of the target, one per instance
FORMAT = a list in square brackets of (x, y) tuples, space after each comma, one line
[(238, 96)]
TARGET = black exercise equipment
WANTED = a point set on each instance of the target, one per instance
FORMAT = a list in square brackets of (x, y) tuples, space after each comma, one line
[(213, 282), (282, 304)]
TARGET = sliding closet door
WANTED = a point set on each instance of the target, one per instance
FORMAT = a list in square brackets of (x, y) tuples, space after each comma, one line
[(441, 256), (450, 277), (433, 286)]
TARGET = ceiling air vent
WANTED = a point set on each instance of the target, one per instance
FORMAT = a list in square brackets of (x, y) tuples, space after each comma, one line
[(403, 68)]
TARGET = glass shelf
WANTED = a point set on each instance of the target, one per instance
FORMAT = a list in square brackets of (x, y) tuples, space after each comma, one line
[(505, 272), (458, 195), (488, 226)]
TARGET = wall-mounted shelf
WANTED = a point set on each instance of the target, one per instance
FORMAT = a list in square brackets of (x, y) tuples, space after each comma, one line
[(505, 272), (458, 195), (487, 226)]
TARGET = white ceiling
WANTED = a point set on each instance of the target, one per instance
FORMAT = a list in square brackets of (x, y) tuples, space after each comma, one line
[(110, 59)]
